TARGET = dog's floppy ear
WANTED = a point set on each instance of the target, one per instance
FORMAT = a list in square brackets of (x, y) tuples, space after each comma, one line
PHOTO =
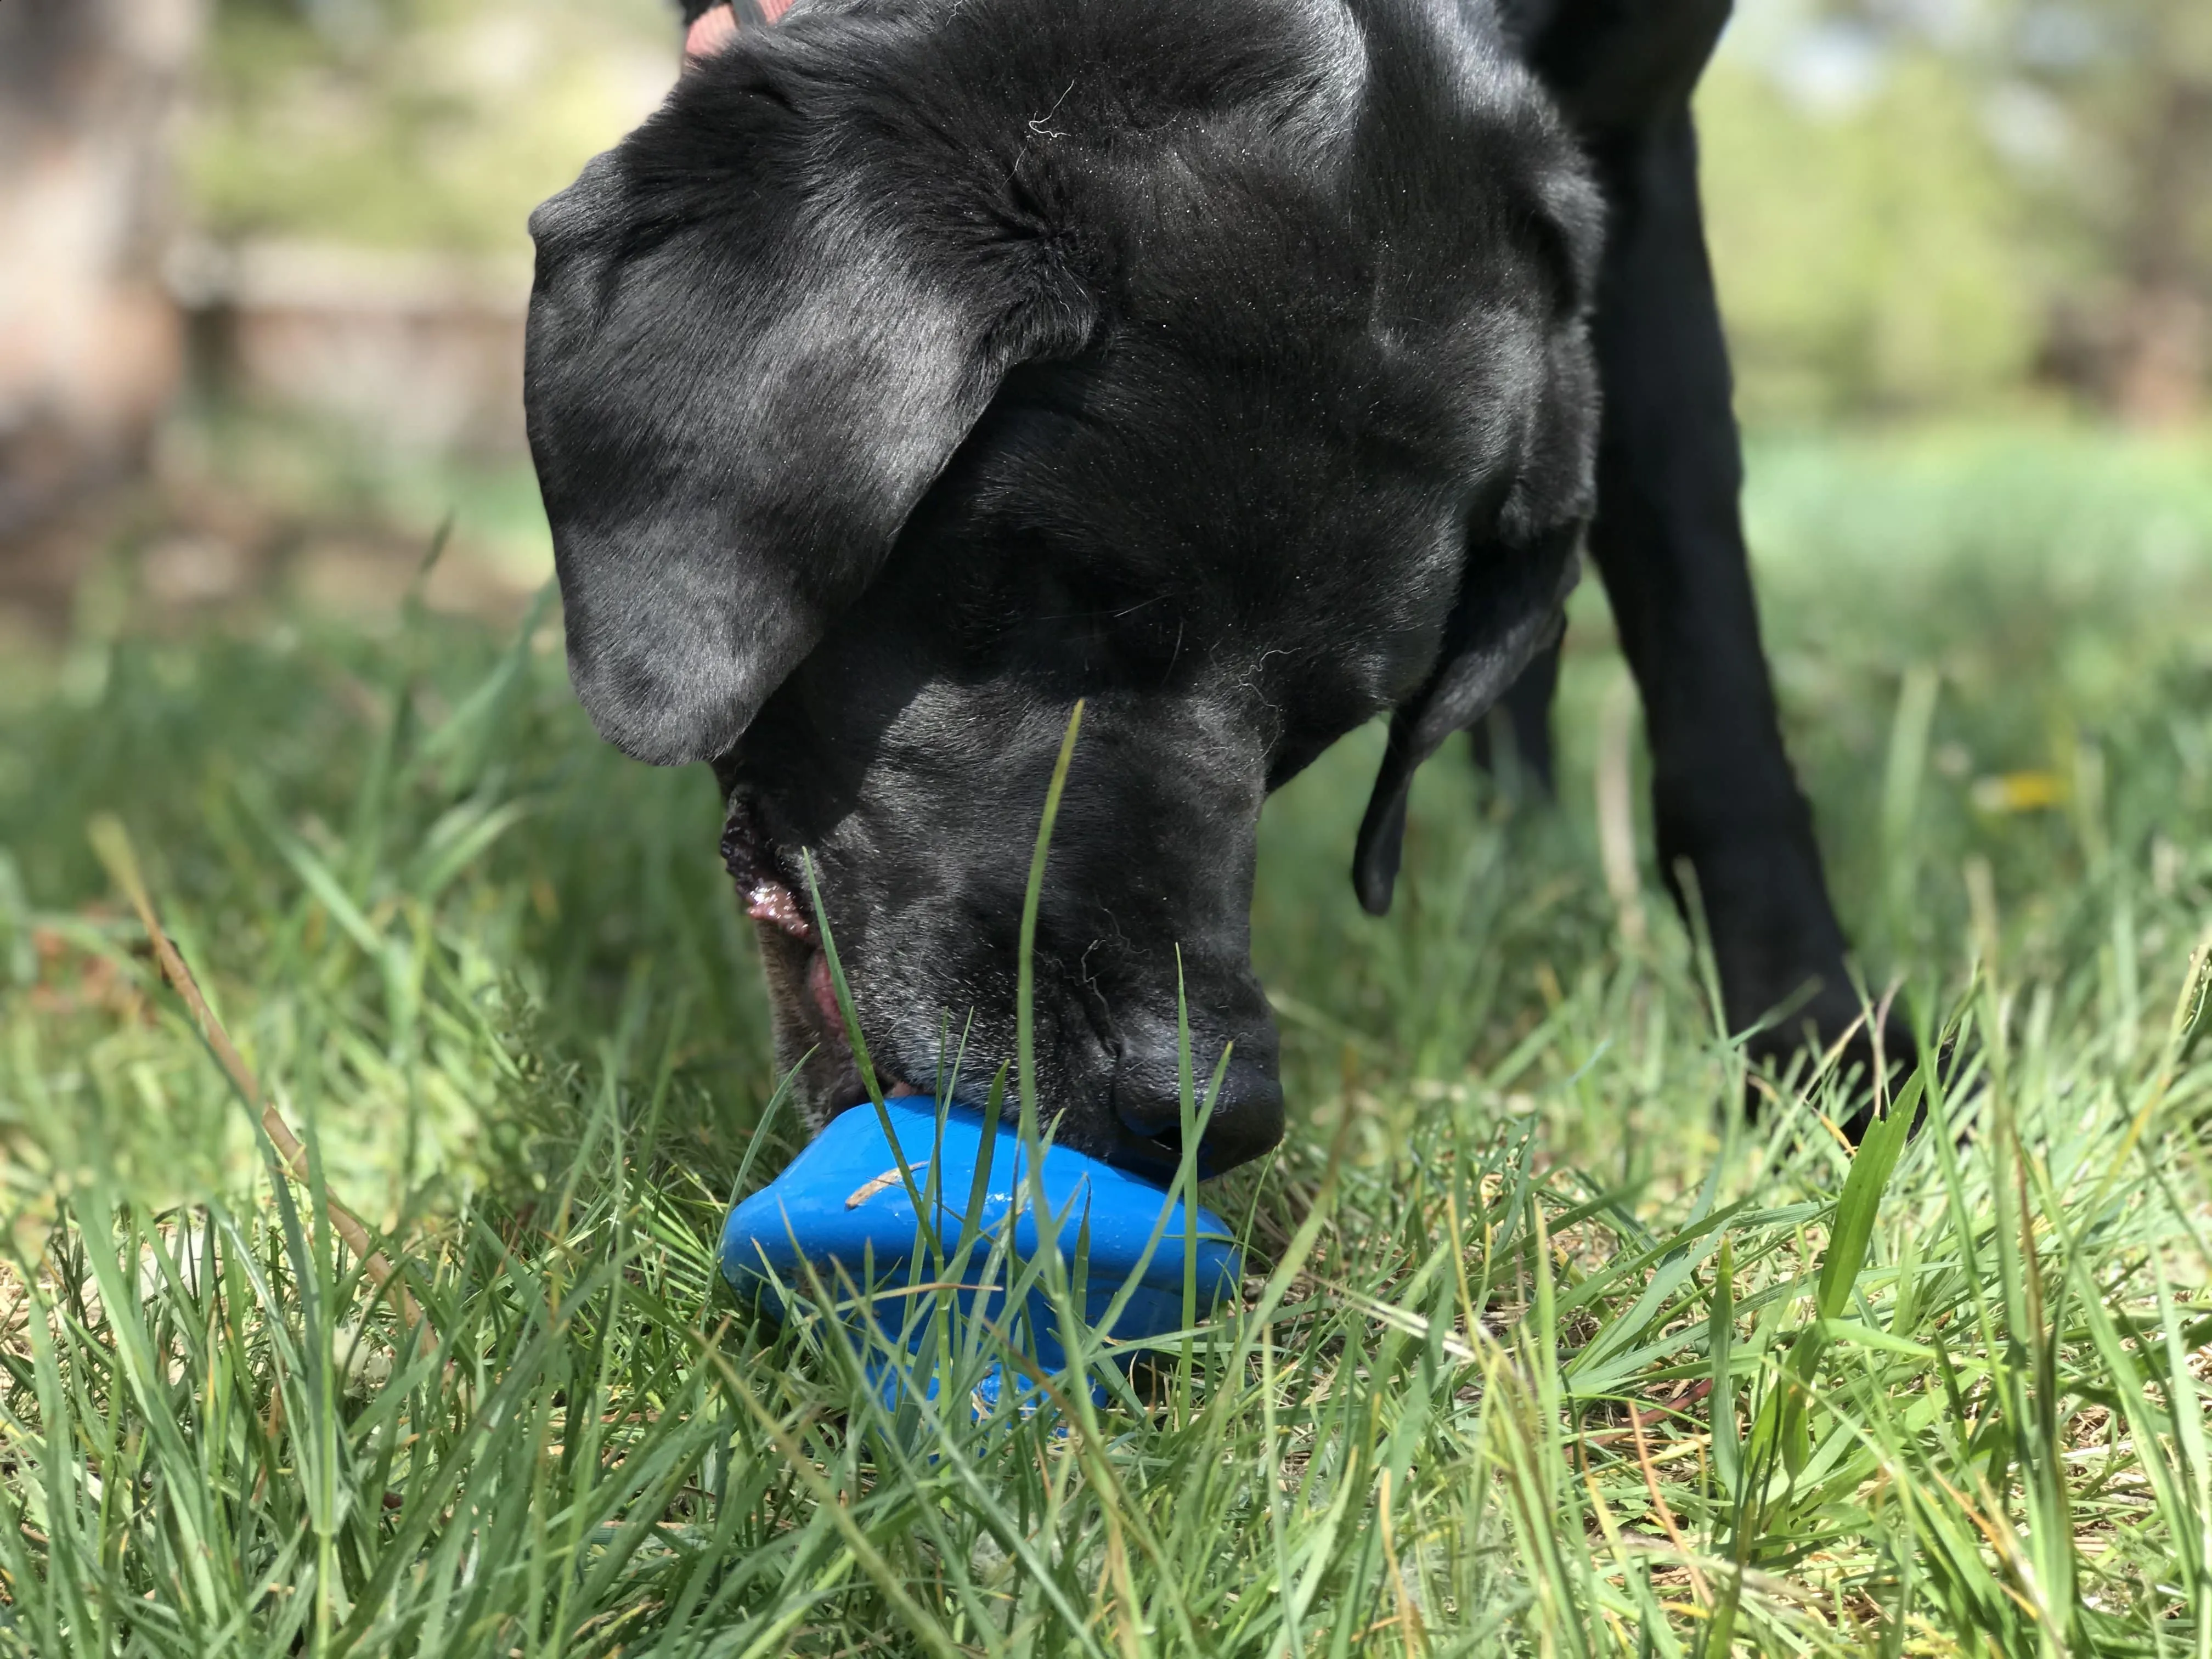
[(1495, 630), (1519, 571), (760, 328)]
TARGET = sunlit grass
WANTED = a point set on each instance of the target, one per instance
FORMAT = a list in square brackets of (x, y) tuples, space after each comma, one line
[(1543, 1350)]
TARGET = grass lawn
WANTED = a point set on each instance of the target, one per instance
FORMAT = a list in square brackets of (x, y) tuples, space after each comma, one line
[(1544, 1349)]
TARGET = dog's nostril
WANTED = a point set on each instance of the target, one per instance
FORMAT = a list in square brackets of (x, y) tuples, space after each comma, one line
[(1247, 1112)]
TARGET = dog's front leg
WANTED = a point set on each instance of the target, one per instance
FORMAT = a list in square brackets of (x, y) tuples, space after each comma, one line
[(1668, 540)]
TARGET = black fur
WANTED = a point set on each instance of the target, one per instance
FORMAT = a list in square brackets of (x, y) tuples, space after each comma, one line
[(925, 365)]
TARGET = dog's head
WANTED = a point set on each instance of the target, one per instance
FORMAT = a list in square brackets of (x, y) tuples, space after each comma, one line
[(922, 368)]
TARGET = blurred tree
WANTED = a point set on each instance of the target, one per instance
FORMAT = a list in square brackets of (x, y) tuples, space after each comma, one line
[(2098, 115), (2135, 78), (1875, 253), (415, 123), (89, 90)]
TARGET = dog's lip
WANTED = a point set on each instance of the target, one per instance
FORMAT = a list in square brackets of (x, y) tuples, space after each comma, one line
[(1156, 1157), (762, 872), (770, 900), (821, 991), (855, 1093)]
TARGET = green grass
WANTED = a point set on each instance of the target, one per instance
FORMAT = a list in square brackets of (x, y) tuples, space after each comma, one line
[(1543, 1351)]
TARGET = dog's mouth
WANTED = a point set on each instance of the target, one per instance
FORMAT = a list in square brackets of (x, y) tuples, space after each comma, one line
[(805, 987), (812, 1030), (764, 879)]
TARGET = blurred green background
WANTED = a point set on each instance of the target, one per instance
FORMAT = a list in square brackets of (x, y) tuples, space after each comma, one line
[(1918, 207), (265, 295)]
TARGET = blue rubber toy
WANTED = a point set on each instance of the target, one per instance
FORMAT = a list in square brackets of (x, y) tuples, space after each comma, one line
[(844, 1206)]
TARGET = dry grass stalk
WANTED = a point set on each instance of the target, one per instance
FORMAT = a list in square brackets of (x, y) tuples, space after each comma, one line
[(111, 841)]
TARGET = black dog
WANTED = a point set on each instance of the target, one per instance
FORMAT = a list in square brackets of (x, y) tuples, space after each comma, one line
[(925, 365)]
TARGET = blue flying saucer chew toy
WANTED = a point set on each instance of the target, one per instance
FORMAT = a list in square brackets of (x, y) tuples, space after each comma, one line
[(845, 1209)]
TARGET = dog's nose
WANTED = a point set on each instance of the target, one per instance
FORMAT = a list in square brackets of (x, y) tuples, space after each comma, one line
[(1248, 1110)]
